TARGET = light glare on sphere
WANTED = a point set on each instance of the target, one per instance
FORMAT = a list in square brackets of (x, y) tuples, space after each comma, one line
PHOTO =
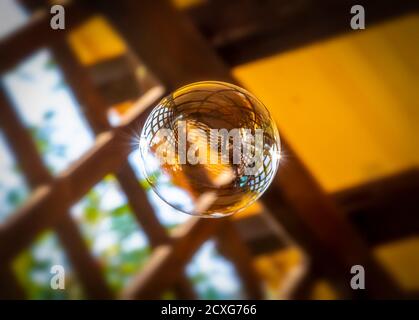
[(212, 142)]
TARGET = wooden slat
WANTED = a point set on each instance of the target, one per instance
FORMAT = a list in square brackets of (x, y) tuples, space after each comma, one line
[(77, 78), (245, 30), (36, 174), (88, 270), (168, 261), (304, 288), (230, 245), (188, 58), (141, 206), (9, 286), (21, 144), (258, 234), (37, 34), (33, 5), (374, 206)]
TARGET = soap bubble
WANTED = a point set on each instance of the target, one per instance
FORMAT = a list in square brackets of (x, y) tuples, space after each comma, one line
[(213, 143)]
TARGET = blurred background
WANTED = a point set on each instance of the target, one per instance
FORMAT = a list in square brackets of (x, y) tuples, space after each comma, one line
[(345, 101)]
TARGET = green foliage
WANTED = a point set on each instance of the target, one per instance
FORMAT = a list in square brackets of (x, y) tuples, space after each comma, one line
[(209, 292), (15, 197), (121, 270), (50, 64), (168, 295), (42, 137), (33, 271), (119, 264)]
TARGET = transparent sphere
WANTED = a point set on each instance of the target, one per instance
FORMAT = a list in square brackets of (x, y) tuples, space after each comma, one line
[(209, 149)]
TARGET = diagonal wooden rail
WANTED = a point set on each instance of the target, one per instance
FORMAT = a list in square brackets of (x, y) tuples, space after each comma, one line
[(36, 175)]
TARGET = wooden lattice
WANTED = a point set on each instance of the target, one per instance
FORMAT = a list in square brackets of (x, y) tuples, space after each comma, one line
[(148, 26)]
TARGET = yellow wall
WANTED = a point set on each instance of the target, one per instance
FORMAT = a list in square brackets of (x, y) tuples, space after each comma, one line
[(95, 41), (401, 258), (349, 105)]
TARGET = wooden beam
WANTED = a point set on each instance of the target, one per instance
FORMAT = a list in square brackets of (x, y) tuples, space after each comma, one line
[(168, 261), (384, 210), (258, 234), (304, 288), (36, 175), (10, 288), (245, 30), (88, 269), (37, 34), (35, 5), (371, 207), (141, 207), (22, 145), (230, 245)]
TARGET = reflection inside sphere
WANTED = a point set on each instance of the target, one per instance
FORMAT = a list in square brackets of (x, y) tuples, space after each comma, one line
[(215, 143)]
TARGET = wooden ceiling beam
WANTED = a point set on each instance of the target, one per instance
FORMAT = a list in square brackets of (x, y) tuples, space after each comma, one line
[(244, 30)]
